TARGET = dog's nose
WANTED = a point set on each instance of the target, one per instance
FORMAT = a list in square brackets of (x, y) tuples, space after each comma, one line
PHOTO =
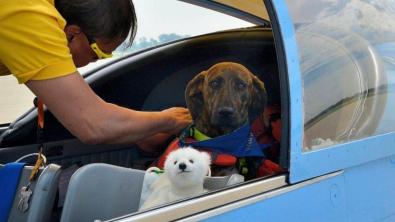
[(226, 112), (182, 166)]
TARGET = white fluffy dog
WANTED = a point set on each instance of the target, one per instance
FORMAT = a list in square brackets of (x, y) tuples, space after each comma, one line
[(185, 171)]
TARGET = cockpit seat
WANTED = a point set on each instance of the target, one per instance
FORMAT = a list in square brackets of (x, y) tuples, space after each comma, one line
[(102, 191), (44, 192)]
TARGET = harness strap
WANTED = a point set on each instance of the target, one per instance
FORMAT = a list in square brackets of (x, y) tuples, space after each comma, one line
[(194, 133), (40, 141), (40, 110), (242, 165)]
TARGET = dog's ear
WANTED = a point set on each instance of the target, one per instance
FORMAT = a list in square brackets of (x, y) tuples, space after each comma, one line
[(258, 100), (194, 96)]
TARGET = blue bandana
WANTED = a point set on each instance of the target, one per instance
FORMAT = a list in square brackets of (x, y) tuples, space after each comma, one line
[(239, 143)]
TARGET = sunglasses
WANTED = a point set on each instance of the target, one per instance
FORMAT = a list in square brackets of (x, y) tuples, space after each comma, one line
[(100, 54)]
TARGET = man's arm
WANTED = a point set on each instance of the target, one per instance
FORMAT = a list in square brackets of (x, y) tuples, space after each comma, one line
[(94, 121)]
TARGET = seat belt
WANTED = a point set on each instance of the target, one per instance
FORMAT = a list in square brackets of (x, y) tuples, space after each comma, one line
[(40, 138)]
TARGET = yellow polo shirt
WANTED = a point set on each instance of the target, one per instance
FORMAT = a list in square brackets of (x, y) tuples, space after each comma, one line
[(33, 45)]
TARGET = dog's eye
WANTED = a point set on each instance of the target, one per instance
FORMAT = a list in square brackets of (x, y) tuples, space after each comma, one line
[(241, 85), (175, 162), (191, 161), (214, 84)]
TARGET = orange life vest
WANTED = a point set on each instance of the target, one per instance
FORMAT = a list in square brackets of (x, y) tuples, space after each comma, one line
[(262, 135), (216, 158)]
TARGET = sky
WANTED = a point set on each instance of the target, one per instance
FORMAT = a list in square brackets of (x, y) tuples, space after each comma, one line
[(157, 17)]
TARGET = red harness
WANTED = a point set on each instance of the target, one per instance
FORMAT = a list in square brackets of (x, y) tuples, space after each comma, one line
[(216, 158)]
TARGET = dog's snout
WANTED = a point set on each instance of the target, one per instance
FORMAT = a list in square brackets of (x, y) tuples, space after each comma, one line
[(226, 112), (182, 166)]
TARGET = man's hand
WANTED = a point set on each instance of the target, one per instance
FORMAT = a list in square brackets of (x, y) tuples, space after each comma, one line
[(181, 119)]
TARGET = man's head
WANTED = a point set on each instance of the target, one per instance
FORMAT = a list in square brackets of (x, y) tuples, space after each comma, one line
[(106, 22)]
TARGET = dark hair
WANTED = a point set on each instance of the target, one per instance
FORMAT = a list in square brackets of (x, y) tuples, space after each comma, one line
[(101, 18)]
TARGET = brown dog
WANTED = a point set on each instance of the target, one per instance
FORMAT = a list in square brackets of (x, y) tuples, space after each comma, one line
[(222, 98)]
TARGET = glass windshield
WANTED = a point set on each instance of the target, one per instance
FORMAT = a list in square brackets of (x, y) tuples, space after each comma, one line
[(346, 52), (159, 21)]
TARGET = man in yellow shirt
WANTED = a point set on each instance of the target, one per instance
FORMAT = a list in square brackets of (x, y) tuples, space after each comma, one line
[(43, 41)]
